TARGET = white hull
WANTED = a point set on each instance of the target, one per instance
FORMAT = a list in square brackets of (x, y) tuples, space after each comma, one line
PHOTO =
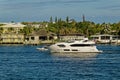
[(91, 49), (75, 54)]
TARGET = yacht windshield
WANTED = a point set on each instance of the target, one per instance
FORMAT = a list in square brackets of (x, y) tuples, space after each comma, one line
[(79, 45), (61, 45)]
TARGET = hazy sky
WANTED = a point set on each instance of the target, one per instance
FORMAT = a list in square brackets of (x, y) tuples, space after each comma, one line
[(41, 10)]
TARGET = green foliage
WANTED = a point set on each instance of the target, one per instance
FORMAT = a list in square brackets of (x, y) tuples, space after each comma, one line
[(2, 24), (67, 19), (27, 30), (70, 26), (51, 20), (1, 30)]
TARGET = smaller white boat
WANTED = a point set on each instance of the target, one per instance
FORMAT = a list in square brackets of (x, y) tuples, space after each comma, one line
[(43, 48)]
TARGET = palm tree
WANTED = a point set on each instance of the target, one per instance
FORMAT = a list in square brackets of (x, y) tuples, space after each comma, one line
[(1, 30), (10, 29), (106, 29)]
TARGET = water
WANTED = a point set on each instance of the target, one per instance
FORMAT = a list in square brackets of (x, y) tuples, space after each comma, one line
[(20, 62)]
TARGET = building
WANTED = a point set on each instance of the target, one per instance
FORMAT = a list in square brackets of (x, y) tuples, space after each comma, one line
[(9, 33), (40, 36), (69, 37), (11, 38), (11, 27), (106, 38)]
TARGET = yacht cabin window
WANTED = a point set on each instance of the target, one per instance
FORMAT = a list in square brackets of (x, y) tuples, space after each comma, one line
[(66, 49), (74, 50), (85, 41), (61, 45), (80, 45)]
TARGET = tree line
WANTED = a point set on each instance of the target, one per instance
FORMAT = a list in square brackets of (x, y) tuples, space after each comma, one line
[(86, 28), (71, 26)]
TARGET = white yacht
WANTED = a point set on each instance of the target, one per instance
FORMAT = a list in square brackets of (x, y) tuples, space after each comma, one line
[(82, 46)]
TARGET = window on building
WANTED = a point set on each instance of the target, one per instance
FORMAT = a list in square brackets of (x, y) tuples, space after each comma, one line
[(105, 37), (42, 37), (50, 38), (32, 38), (27, 39)]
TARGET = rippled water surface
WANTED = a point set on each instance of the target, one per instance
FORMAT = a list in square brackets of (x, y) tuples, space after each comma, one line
[(20, 62)]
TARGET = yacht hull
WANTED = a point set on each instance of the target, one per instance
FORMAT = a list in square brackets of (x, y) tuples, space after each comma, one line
[(55, 49)]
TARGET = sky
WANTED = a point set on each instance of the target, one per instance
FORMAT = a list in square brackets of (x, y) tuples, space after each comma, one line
[(98, 11)]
